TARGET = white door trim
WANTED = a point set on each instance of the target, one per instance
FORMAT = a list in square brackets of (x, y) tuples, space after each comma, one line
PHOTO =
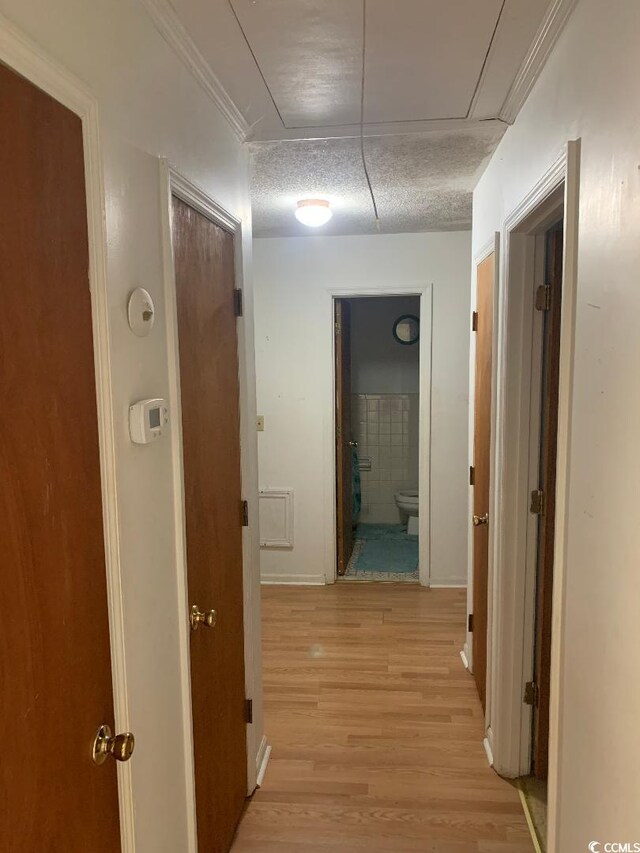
[(173, 183), (567, 358), (425, 292), (512, 621), (23, 55), (491, 247)]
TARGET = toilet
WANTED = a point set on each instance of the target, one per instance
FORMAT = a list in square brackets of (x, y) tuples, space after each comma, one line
[(407, 501)]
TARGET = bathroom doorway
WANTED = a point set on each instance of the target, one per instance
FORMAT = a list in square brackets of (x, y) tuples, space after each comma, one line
[(378, 437)]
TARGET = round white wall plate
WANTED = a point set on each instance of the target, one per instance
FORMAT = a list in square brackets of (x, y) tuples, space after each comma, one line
[(141, 312)]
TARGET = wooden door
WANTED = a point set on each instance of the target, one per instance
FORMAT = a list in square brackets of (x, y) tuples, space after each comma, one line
[(204, 269), (55, 666), (547, 477), (483, 324), (344, 473)]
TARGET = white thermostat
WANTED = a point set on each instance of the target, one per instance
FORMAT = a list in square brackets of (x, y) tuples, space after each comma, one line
[(147, 420)]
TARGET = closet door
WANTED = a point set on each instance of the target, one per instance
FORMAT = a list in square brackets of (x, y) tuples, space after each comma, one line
[(55, 664), (208, 345), (481, 461), (344, 474)]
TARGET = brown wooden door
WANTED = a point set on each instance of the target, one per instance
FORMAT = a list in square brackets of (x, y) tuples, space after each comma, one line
[(55, 667), (546, 526), (481, 457), (344, 475), (204, 269)]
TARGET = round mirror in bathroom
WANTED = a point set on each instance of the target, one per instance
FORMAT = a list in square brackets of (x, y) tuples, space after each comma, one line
[(406, 329)]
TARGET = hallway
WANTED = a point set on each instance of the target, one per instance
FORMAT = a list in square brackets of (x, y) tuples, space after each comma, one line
[(376, 729)]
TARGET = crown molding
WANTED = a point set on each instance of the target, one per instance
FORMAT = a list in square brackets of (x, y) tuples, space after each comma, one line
[(175, 34), (550, 29), (390, 128)]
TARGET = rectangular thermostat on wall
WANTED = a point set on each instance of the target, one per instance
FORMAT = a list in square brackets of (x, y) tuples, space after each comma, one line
[(147, 420)]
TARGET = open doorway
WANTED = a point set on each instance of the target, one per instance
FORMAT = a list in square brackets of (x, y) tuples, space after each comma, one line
[(377, 437)]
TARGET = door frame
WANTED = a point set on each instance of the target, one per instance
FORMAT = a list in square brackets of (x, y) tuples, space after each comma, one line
[(513, 604), (172, 182), (425, 292), (20, 53)]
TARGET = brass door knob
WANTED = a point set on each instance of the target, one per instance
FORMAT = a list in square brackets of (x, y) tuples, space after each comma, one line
[(197, 618), (479, 520), (119, 747)]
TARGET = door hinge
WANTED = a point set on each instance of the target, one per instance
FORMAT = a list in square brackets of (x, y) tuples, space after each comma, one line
[(244, 513), (531, 694), (543, 297), (474, 321), (472, 475), (470, 623), (238, 302), (537, 502), (248, 710)]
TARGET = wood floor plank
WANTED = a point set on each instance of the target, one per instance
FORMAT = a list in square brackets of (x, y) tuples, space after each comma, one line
[(376, 729)]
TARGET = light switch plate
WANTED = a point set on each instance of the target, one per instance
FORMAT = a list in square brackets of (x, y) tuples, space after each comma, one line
[(260, 423)]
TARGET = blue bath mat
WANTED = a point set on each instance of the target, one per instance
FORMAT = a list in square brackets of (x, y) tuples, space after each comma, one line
[(383, 552)]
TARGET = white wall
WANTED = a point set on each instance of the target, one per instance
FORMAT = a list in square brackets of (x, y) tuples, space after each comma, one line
[(590, 89), (295, 375), (379, 364), (149, 106)]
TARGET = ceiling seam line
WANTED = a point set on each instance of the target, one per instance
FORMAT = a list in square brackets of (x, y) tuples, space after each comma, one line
[(257, 64), (486, 57), (364, 159)]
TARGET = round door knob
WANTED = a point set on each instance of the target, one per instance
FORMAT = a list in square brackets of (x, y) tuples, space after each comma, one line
[(479, 520), (353, 444), (207, 618), (119, 747)]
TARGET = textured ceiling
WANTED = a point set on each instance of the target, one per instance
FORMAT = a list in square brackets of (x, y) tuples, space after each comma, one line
[(421, 182)]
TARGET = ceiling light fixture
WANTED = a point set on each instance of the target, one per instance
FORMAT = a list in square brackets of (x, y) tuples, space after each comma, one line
[(313, 212)]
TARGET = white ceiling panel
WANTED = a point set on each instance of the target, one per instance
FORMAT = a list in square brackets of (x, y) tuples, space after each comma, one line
[(309, 53), (517, 28), (424, 57)]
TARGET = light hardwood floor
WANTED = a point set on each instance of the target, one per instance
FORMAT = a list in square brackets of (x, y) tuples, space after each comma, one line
[(376, 729)]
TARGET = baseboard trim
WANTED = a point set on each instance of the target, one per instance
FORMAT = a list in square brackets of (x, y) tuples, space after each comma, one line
[(262, 759), (296, 580), (488, 750), (453, 583), (468, 657), (463, 657)]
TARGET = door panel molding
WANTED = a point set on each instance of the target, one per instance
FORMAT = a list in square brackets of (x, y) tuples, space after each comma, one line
[(27, 58), (173, 183), (328, 450)]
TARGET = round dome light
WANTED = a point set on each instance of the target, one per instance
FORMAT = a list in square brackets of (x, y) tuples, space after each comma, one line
[(313, 212)]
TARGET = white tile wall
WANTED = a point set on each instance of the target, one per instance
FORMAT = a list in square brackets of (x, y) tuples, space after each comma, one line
[(386, 429)]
